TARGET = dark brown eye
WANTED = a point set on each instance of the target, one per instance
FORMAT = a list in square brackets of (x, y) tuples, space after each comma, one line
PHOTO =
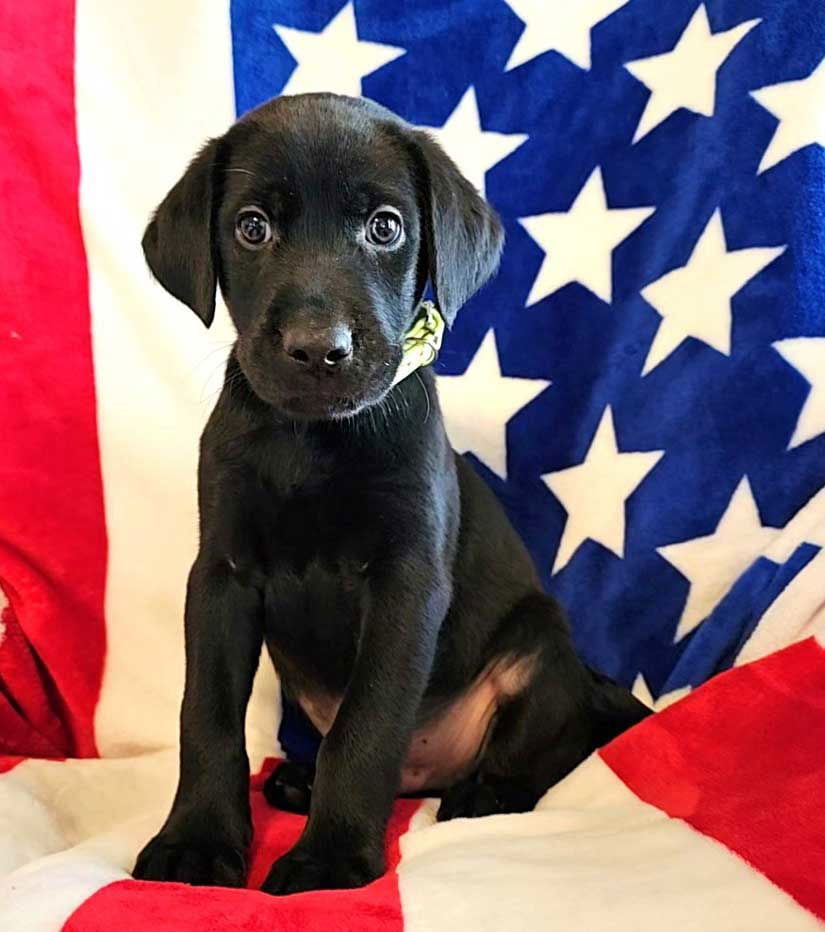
[(384, 227), (252, 228)]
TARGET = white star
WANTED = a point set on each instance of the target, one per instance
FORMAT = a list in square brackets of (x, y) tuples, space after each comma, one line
[(694, 300), (800, 108), (642, 692), (478, 404), (333, 59), (807, 355), (473, 149), (562, 26), (594, 492), (712, 563), (579, 243), (685, 76)]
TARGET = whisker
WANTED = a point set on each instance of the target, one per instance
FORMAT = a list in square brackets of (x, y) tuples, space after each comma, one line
[(211, 376), (402, 405), (219, 348), (426, 395), (235, 379)]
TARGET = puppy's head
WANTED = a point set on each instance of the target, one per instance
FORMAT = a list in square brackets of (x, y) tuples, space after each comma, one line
[(322, 218)]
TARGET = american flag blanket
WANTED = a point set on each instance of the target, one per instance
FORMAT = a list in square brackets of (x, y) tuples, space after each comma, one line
[(643, 386)]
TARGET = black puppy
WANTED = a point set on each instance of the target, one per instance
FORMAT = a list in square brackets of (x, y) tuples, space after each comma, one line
[(338, 526)]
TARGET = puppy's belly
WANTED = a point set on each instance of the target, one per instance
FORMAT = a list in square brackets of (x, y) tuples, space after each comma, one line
[(446, 749)]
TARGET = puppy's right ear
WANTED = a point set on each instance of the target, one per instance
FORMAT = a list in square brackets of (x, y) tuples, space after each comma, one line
[(179, 243)]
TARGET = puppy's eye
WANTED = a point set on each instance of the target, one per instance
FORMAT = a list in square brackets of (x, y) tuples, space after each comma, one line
[(252, 228), (384, 228)]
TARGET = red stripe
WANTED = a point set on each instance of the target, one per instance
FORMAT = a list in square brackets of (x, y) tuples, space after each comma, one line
[(743, 760), (132, 906), (52, 530)]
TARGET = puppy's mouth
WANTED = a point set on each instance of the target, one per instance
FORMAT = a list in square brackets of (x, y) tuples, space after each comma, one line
[(321, 405), (316, 401), (307, 408)]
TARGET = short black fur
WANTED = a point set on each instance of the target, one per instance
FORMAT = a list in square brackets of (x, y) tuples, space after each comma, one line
[(338, 526)]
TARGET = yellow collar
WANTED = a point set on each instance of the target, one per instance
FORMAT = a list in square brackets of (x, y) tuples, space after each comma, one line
[(421, 342)]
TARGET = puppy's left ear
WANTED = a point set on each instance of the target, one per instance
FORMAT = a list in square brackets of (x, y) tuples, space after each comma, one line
[(179, 244), (462, 235)]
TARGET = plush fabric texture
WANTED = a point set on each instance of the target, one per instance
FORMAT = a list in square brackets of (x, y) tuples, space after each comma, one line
[(643, 386)]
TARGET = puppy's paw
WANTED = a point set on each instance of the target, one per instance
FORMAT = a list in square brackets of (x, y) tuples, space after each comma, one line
[(193, 860), (484, 795), (300, 870), (466, 800), (289, 787)]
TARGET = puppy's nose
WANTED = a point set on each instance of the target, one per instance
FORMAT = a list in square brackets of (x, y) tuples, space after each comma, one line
[(317, 346)]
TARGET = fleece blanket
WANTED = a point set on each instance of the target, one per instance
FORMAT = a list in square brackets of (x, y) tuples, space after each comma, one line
[(643, 386)]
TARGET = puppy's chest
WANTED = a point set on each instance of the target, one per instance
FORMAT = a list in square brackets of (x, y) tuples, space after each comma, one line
[(311, 534), (310, 553), (313, 613), (296, 510)]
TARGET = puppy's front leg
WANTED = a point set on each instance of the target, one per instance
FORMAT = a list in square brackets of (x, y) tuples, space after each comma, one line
[(205, 838), (359, 762)]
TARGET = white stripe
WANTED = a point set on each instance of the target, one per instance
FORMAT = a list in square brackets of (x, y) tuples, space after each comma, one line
[(799, 611), (69, 828), (28, 826), (153, 82), (49, 806), (41, 897), (592, 857)]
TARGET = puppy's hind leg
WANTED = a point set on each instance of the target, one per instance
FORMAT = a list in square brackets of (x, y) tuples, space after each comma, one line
[(289, 787), (557, 718)]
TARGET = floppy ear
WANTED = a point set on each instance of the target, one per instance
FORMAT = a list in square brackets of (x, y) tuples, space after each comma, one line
[(462, 234), (179, 242)]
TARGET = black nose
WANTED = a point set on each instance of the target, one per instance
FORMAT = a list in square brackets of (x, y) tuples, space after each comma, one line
[(317, 346)]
